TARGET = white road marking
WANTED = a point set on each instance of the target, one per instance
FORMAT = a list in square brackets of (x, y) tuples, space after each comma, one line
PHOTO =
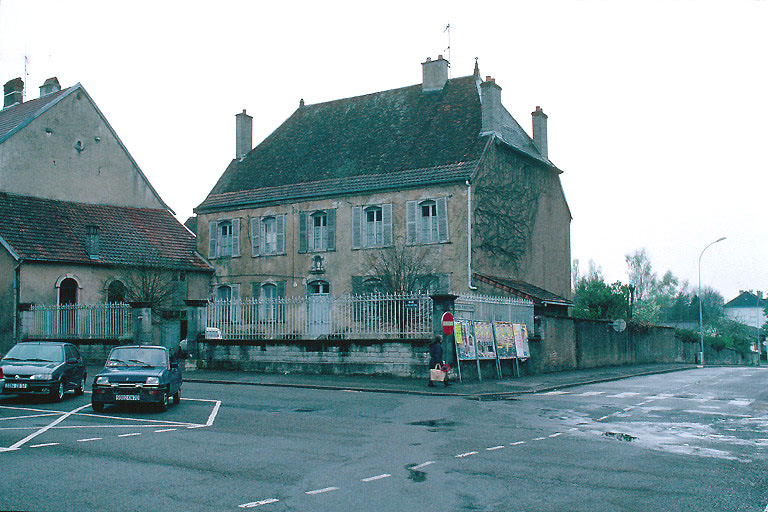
[(623, 395), (148, 420), (495, 448), (166, 430), (213, 414), (377, 477), (259, 503), (129, 435), (467, 454), (30, 416), (423, 465), (89, 439), (42, 445), (556, 434), (590, 393), (516, 443), (320, 491), (627, 409), (555, 392), (573, 429), (538, 438), (61, 418), (604, 417)]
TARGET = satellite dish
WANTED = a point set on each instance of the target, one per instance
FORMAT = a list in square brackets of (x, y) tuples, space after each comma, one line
[(619, 325)]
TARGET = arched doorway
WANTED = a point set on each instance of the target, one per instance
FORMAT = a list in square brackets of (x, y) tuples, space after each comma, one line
[(68, 291), (68, 311)]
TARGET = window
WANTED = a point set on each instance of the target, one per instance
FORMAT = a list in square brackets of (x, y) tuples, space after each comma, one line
[(224, 292), (268, 235), (372, 226), (317, 231), (224, 238), (116, 292), (319, 288), (272, 305), (427, 221)]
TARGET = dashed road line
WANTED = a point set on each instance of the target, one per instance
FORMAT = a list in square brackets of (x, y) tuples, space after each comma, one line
[(467, 454), (259, 503), (591, 393), (377, 477), (423, 465), (43, 445), (166, 430), (89, 440), (604, 417), (321, 491), (516, 443), (492, 448), (555, 392), (33, 435), (129, 435), (538, 439), (556, 434)]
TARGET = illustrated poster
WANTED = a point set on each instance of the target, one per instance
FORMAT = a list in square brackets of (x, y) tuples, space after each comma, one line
[(505, 340), (486, 348), (521, 341), (465, 341)]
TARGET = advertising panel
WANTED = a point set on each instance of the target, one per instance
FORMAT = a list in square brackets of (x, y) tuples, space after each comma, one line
[(465, 341), (505, 340), (521, 341), (486, 348)]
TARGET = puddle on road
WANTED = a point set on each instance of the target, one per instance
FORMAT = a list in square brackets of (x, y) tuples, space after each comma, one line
[(307, 409), (621, 437), (441, 423), (414, 474)]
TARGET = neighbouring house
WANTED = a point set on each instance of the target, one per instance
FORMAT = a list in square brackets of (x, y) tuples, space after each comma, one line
[(747, 308), (431, 187), (79, 221)]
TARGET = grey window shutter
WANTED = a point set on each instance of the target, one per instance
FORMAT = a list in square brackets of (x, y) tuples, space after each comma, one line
[(213, 236), (236, 237), (411, 226), (386, 221), (442, 219), (280, 313), (255, 290), (281, 289), (303, 232), (330, 231), (255, 237), (357, 224), (280, 234), (235, 300)]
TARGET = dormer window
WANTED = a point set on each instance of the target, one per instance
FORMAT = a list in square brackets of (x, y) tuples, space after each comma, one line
[(92, 241)]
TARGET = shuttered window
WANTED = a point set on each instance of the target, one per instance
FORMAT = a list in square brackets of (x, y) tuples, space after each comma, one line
[(224, 238), (268, 235), (427, 221), (372, 226)]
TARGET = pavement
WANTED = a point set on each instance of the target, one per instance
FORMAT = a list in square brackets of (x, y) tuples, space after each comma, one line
[(487, 389)]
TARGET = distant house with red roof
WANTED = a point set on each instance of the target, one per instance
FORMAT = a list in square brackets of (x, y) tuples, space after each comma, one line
[(439, 171), (76, 210)]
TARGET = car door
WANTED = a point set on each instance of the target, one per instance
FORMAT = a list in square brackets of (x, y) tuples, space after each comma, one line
[(78, 370), (174, 375)]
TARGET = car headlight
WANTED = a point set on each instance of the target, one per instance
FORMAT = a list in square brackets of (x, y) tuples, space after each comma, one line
[(102, 380), (153, 381), (40, 376)]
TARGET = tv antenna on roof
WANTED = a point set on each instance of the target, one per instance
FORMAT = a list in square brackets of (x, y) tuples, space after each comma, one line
[(26, 75), (448, 49)]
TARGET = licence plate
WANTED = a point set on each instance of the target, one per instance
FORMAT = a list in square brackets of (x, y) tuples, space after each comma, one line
[(126, 397), (15, 385)]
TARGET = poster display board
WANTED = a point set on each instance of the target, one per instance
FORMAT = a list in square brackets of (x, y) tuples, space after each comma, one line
[(486, 348), (465, 341), (521, 341), (505, 340)]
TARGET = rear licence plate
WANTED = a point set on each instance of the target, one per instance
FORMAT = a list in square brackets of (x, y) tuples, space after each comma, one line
[(126, 397), (15, 385)]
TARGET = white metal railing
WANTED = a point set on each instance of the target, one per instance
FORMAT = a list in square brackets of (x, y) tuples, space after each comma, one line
[(77, 321), (385, 316), (492, 308)]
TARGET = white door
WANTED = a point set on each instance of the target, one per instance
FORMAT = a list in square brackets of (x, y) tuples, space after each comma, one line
[(318, 309)]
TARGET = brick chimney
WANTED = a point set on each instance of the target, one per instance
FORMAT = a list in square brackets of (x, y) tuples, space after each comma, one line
[(243, 134), (13, 92), (540, 131), (490, 98), (434, 74), (50, 86)]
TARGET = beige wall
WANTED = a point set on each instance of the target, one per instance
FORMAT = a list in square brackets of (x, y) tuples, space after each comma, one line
[(292, 267), (36, 163)]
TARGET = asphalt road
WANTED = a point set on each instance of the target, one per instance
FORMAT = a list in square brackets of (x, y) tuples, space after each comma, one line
[(692, 440)]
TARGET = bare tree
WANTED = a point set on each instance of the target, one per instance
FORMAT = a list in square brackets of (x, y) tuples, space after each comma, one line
[(404, 268), (150, 278)]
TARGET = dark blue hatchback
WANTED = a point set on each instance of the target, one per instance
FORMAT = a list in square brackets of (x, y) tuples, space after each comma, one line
[(137, 374)]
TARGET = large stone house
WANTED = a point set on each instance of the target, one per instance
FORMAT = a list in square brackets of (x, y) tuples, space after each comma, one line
[(76, 212), (437, 178)]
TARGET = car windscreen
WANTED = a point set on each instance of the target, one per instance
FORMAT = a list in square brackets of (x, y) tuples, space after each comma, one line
[(132, 356), (35, 353)]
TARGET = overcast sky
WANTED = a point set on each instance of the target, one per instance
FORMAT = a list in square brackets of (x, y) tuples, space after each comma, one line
[(657, 109)]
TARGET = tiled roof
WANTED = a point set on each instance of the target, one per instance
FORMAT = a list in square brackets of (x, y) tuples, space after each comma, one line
[(55, 231), (746, 300), (523, 289), (13, 118)]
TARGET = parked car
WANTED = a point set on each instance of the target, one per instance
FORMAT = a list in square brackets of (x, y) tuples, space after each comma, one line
[(137, 374), (34, 367)]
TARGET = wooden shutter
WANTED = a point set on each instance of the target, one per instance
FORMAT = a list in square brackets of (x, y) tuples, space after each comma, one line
[(411, 226), (280, 233), (256, 294), (213, 237), (442, 219), (357, 227), (235, 297), (255, 236), (303, 232), (386, 224), (236, 237), (330, 231)]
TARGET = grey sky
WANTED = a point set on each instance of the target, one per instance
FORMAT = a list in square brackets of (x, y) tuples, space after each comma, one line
[(657, 109)]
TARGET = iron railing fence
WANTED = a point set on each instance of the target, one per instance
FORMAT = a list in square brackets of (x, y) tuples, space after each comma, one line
[(492, 308), (377, 316), (77, 321)]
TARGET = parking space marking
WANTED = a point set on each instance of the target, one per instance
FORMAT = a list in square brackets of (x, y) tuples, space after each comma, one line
[(259, 503), (89, 439), (46, 428), (377, 477), (42, 445), (31, 416), (321, 491)]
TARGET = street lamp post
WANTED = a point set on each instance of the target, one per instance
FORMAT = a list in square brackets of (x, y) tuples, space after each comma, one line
[(701, 323)]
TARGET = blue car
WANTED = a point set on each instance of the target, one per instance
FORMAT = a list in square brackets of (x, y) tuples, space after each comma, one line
[(42, 367), (137, 374)]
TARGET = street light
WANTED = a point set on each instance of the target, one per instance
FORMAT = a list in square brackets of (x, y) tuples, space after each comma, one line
[(701, 323)]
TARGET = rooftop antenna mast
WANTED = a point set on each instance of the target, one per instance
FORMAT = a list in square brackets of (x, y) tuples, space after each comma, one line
[(448, 30), (26, 75)]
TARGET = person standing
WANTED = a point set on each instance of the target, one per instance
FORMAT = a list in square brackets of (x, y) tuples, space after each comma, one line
[(435, 355)]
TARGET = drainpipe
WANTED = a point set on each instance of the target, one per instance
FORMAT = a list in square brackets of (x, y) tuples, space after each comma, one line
[(469, 237), (17, 296)]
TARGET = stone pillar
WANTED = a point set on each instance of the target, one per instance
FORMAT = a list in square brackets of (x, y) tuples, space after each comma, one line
[(142, 323), (195, 325), (444, 303), (24, 320)]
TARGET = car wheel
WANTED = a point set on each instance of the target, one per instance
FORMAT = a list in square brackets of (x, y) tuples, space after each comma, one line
[(80, 386), (57, 393), (163, 405), (97, 406), (177, 397)]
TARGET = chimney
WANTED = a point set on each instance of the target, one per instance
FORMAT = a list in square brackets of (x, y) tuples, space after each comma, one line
[(434, 74), (13, 92), (243, 134), (50, 86), (540, 131), (490, 99)]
